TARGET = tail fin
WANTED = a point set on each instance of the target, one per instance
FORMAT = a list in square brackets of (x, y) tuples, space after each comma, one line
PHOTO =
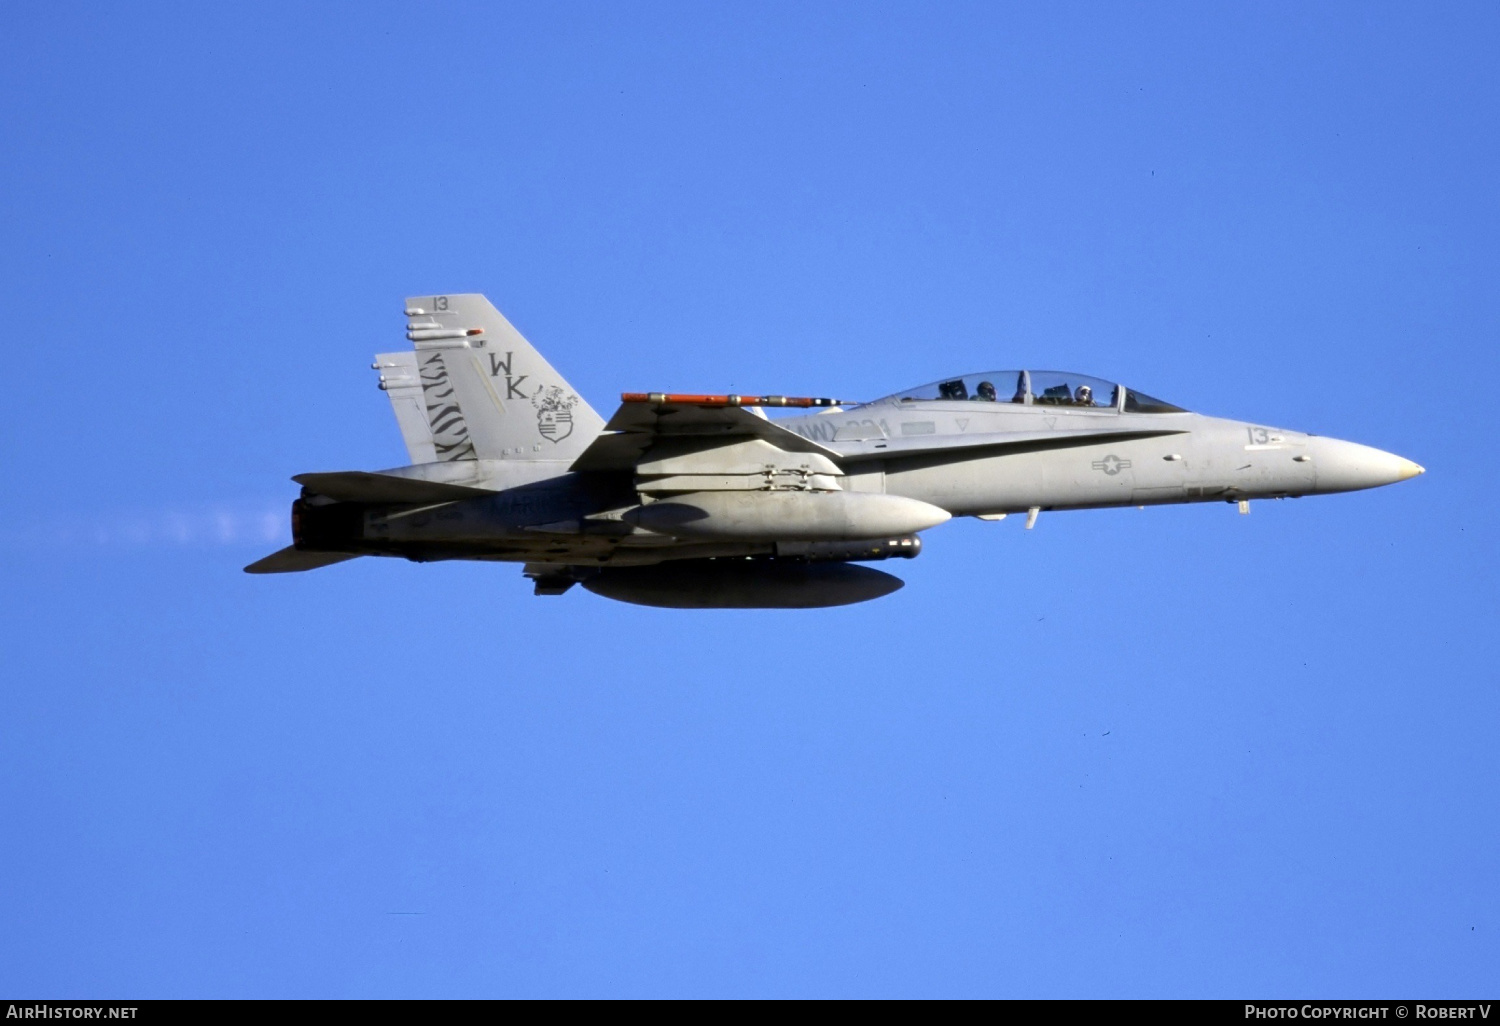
[(402, 384), (476, 389)]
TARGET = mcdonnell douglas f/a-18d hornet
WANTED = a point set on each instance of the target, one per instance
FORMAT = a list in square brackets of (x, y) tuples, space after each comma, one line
[(702, 501)]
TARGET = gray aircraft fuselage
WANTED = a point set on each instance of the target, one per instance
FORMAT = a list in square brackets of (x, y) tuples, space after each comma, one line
[(735, 508), (1203, 458), (1155, 459)]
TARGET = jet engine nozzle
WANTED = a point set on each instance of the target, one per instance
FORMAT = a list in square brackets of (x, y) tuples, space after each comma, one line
[(335, 527)]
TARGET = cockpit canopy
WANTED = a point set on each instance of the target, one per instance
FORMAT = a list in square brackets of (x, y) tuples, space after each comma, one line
[(1035, 388)]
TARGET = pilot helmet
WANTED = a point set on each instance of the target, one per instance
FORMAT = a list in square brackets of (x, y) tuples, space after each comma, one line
[(986, 390), (1084, 392)]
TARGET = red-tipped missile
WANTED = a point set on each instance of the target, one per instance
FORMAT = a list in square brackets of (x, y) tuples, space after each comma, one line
[(690, 399)]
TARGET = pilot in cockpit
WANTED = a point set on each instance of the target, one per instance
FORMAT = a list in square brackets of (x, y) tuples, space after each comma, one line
[(1083, 396), (985, 391)]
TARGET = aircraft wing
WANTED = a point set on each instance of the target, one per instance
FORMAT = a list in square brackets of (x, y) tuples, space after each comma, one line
[(636, 426), (996, 443)]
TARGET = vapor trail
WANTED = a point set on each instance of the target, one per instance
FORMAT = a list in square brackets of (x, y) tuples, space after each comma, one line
[(199, 525)]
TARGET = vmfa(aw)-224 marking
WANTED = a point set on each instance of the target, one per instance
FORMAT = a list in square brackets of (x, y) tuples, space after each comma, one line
[(702, 500)]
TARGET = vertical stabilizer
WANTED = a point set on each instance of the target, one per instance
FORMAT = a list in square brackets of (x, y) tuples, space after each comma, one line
[(403, 385), (476, 389)]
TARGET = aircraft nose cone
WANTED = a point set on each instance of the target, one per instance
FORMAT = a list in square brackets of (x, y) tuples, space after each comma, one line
[(1348, 466)]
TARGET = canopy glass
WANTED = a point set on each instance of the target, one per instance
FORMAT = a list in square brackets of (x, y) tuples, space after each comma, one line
[(1035, 388)]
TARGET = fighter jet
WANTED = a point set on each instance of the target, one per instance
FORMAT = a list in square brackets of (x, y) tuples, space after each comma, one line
[(694, 501)]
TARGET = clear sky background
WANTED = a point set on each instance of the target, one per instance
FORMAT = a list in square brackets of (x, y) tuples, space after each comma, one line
[(1176, 752)]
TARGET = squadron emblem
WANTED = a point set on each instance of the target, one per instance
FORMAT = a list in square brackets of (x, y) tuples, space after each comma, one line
[(554, 412)]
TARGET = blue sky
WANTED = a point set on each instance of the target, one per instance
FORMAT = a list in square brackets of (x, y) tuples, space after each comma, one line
[(1176, 752)]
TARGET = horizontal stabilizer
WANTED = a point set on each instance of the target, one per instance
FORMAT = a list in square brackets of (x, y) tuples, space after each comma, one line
[(362, 486), (293, 560)]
